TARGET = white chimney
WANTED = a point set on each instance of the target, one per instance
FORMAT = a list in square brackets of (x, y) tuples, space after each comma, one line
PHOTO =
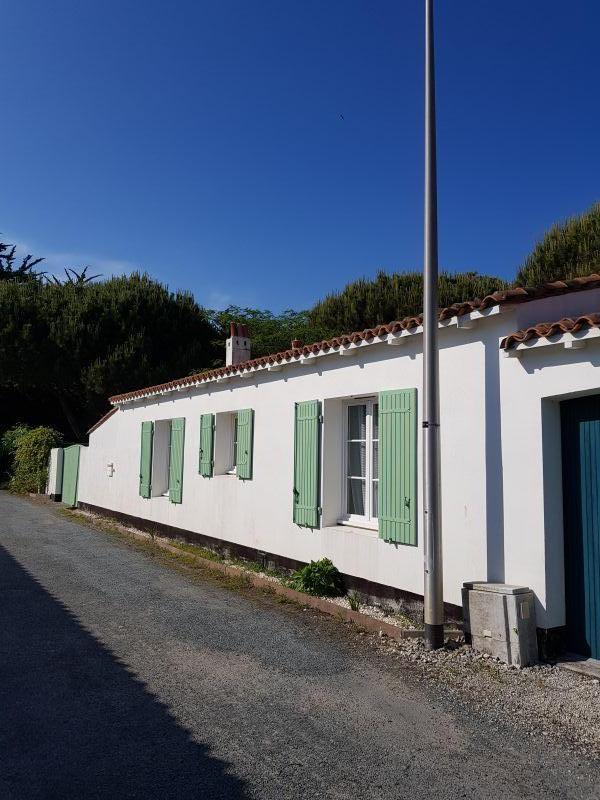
[(237, 347)]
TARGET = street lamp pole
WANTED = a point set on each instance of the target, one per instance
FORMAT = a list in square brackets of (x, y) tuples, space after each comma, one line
[(433, 589)]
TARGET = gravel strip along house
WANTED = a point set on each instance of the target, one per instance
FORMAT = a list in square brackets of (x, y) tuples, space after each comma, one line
[(316, 451)]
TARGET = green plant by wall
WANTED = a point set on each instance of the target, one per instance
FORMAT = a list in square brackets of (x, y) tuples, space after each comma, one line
[(30, 468), (354, 601), (320, 578)]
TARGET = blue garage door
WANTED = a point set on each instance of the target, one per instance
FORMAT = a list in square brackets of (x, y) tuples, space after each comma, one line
[(581, 503)]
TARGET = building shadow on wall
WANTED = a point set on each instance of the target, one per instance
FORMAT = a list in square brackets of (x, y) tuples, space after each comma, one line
[(76, 723), (494, 480)]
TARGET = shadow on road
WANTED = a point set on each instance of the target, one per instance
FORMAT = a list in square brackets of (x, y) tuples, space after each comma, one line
[(75, 722)]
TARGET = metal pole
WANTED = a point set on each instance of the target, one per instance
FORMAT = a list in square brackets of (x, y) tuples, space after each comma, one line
[(434, 599)]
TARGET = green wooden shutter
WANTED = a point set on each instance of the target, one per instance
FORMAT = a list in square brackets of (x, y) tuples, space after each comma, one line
[(146, 459), (207, 428), (245, 419), (70, 476), (176, 460), (307, 439), (398, 466)]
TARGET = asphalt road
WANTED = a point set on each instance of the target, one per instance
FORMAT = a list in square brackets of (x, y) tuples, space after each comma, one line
[(121, 677)]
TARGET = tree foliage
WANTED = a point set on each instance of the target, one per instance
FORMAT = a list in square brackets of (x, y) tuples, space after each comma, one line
[(80, 343), (570, 249), (67, 344), (8, 447), (270, 332), (388, 297), (17, 269), (74, 276), (31, 455)]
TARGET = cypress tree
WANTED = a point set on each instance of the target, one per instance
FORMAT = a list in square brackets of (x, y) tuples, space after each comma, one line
[(569, 249), (365, 303)]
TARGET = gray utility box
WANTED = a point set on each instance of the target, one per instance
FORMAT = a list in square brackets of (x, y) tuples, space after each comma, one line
[(500, 620)]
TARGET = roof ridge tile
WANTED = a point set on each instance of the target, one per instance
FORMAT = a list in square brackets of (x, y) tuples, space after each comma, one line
[(546, 329)]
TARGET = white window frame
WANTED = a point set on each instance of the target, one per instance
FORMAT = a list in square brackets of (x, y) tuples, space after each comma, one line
[(368, 520), (224, 443), (233, 421)]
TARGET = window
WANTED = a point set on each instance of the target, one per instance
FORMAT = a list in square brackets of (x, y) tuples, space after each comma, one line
[(233, 443), (233, 421), (225, 455), (361, 445), (161, 459)]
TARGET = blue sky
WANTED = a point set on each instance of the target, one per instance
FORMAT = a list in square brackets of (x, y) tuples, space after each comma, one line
[(203, 142)]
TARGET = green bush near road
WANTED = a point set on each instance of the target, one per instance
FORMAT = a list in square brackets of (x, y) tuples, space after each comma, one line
[(8, 446), (31, 454)]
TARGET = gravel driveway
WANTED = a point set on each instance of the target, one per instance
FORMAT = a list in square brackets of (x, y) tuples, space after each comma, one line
[(121, 677)]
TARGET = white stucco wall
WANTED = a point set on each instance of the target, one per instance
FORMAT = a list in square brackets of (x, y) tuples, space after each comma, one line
[(531, 389), (258, 513), (55, 467), (501, 472)]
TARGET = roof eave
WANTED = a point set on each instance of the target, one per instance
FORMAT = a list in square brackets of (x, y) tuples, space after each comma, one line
[(278, 362)]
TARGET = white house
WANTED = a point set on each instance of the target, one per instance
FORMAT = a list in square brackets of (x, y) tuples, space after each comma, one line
[(316, 452)]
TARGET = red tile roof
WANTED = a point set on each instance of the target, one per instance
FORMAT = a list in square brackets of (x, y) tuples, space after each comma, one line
[(505, 297), (547, 329), (102, 419)]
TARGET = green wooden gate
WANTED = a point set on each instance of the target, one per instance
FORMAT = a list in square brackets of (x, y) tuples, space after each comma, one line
[(581, 507), (70, 474)]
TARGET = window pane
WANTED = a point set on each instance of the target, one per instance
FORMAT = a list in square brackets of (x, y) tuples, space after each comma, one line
[(357, 422), (234, 442), (375, 421), (357, 459), (375, 499), (356, 496), (375, 468)]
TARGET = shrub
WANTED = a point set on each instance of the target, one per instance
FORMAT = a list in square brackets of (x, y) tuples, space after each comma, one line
[(320, 578), (30, 470), (8, 446)]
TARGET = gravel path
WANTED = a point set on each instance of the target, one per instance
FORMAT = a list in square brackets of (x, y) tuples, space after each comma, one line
[(121, 677)]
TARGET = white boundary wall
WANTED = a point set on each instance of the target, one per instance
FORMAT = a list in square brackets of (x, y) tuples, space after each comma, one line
[(501, 470), (55, 470)]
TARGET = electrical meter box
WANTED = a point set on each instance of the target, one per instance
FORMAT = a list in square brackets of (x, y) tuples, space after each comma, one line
[(500, 620)]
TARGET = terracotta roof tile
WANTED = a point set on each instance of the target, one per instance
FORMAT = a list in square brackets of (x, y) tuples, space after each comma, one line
[(547, 329), (505, 297), (102, 419)]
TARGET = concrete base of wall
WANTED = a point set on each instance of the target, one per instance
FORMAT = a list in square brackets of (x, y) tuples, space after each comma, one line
[(369, 591)]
